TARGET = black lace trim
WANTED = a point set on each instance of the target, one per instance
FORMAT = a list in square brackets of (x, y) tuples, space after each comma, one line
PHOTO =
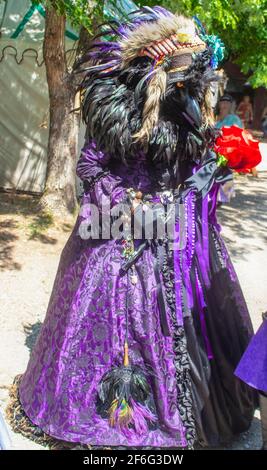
[(182, 364)]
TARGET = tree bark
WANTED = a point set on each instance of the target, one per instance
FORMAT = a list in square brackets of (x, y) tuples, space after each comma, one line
[(60, 189), (259, 103)]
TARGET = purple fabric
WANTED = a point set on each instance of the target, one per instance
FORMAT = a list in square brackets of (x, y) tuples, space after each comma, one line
[(201, 260), (252, 368), (178, 277), (190, 247), (108, 190), (202, 306), (82, 337), (183, 259), (213, 195), (191, 220), (202, 237), (178, 287), (205, 233), (83, 332)]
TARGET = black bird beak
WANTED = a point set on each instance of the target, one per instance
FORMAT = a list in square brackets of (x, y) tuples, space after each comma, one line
[(190, 109)]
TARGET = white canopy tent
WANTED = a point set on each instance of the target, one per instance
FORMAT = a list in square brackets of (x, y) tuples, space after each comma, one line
[(24, 104)]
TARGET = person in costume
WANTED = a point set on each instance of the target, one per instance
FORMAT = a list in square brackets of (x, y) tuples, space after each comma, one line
[(143, 334), (252, 369)]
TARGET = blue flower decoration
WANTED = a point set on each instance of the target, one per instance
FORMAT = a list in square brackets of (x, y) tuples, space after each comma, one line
[(212, 41), (217, 47)]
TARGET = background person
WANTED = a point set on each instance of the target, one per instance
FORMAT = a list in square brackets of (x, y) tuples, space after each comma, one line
[(227, 118), (245, 111)]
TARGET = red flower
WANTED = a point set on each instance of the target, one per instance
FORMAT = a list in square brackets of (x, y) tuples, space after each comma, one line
[(239, 149)]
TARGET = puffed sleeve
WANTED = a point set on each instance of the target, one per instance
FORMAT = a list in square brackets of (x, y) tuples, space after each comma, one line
[(93, 169)]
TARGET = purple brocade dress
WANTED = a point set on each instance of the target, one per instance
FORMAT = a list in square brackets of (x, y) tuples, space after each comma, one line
[(196, 395), (252, 368)]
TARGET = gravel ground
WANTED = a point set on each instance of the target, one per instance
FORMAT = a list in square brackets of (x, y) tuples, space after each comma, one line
[(30, 250)]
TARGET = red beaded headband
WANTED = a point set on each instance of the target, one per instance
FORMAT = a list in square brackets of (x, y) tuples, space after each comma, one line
[(177, 44)]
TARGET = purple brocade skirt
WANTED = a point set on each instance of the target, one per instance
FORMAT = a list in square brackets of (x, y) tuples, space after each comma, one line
[(82, 337), (252, 368)]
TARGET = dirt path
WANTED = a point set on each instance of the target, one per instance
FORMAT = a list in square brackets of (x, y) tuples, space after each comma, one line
[(30, 250)]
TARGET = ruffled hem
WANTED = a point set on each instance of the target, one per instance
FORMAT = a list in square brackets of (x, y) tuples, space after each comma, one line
[(21, 423)]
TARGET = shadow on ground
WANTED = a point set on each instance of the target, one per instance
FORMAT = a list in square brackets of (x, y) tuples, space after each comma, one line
[(246, 216), (21, 220), (7, 241), (31, 332)]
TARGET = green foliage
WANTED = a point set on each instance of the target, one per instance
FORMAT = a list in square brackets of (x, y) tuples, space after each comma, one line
[(79, 12), (241, 24), (42, 222)]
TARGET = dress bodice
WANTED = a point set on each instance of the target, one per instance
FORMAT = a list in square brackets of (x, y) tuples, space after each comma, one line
[(150, 176)]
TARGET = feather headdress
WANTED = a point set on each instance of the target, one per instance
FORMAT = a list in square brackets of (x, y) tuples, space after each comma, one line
[(165, 27), (132, 100)]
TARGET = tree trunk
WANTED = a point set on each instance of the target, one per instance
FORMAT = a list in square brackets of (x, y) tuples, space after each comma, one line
[(60, 189), (259, 103)]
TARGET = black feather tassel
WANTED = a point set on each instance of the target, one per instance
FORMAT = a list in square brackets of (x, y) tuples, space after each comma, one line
[(124, 394)]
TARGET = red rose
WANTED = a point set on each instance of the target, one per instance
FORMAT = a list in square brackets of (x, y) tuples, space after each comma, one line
[(239, 149)]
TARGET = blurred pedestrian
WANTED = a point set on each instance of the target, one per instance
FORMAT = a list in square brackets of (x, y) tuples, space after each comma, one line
[(226, 118), (245, 111)]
